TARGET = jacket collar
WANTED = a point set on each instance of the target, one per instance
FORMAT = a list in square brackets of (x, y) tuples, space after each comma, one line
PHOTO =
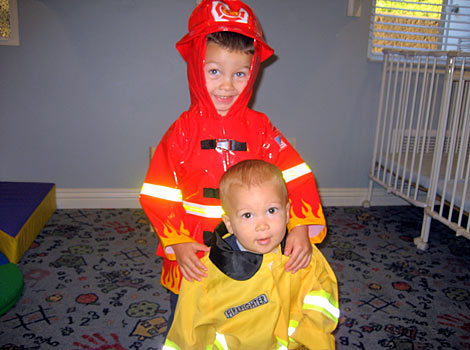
[(238, 265)]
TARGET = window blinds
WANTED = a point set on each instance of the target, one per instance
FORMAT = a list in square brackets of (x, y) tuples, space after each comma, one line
[(428, 25)]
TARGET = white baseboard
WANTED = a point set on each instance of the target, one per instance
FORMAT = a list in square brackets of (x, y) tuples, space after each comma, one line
[(354, 197), (82, 198)]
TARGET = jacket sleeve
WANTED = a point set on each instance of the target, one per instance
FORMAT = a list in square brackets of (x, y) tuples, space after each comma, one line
[(192, 327), (161, 198), (316, 313), (306, 208)]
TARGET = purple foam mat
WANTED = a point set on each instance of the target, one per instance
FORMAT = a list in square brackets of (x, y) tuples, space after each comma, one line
[(18, 200)]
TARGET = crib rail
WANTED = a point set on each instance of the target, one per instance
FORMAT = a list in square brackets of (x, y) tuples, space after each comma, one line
[(448, 200), (406, 125), (421, 145)]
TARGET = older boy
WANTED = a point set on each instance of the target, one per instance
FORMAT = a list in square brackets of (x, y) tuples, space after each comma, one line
[(223, 50), (248, 300)]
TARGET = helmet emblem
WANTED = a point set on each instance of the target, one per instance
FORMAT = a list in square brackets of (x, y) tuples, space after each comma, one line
[(222, 13)]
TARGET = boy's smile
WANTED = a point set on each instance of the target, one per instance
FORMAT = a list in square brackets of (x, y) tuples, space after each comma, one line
[(226, 73)]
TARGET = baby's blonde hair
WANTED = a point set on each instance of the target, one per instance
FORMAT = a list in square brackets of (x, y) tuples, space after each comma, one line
[(248, 173)]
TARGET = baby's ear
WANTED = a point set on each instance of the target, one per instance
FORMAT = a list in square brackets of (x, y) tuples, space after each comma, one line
[(227, 223), (288, 211)]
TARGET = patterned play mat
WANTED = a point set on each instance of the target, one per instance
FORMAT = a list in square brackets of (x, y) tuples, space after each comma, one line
[(91, 282)]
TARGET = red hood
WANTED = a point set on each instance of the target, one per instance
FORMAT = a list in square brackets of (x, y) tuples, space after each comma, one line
[(213, 16)]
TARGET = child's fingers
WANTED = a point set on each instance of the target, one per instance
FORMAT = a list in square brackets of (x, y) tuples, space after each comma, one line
[(288, 248), (299, 259), (200, 266), (301, 263), (292, 262), (299, 248), (191, 272), (201, 247), (185, 273), (190, 266), (193, 268)]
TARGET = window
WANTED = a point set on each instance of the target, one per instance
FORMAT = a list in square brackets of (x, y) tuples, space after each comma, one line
[(424, 25), (9, 23)]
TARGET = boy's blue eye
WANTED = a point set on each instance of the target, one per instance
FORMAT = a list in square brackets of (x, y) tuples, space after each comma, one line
[(213, 71), (240, 74)]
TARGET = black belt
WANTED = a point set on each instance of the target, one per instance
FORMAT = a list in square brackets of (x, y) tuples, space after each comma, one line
[(228, 145), (210, 193)]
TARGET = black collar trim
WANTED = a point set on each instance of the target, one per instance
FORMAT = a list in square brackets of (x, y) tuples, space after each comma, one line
[(239, 265)]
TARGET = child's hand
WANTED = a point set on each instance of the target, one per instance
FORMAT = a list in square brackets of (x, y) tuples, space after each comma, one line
[(299, 248), (191, 267)]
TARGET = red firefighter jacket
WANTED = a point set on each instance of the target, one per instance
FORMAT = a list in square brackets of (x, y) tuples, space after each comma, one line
[(180, 192)]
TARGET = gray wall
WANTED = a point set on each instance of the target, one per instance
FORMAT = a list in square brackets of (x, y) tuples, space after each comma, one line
[(94, 83)]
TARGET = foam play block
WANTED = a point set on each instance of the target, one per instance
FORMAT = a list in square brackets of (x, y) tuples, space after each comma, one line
[(11, 284), (25, 207)]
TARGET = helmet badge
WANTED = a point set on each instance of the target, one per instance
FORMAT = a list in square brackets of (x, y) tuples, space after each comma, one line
[(222, 13)]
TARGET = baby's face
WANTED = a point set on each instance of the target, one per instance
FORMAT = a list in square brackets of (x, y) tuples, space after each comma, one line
[(258, 216), (227, 73)]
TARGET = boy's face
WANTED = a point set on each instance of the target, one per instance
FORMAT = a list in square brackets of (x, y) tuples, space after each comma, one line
[(258, 216), (227, 73)]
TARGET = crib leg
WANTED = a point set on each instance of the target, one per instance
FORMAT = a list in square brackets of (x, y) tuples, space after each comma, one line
[(366, 202), (422, 241)]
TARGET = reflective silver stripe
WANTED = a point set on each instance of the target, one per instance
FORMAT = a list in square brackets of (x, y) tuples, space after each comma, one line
[(175, 195), (207, 211), (296, 172), (322, 301), (162, 192)]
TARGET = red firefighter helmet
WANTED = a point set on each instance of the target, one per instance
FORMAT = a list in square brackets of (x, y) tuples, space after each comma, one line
[(212, 16)]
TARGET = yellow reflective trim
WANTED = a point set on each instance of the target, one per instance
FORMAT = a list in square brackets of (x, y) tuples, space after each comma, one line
[(207, 211), (281, 344), (322, 302), (292, 327), (169, 345), (162, 192), (220, 342), (296, 172)]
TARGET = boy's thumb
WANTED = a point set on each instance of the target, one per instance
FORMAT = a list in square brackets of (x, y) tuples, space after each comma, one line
[(288, 249), (203, 247)]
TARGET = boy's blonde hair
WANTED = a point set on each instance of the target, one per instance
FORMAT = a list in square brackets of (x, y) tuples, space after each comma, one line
[(248, 173)]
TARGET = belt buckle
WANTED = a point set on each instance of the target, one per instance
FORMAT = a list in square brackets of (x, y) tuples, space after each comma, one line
[(223, 144)]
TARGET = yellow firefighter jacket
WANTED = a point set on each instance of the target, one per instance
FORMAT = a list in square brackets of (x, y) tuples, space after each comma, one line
[(248, 301)]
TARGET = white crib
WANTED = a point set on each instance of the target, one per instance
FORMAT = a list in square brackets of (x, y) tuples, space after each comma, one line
[(421, 148)]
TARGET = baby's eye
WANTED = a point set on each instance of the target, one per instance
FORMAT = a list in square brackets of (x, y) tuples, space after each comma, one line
[(272, 210), (240, 74), (247, 215), (213, 71)]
